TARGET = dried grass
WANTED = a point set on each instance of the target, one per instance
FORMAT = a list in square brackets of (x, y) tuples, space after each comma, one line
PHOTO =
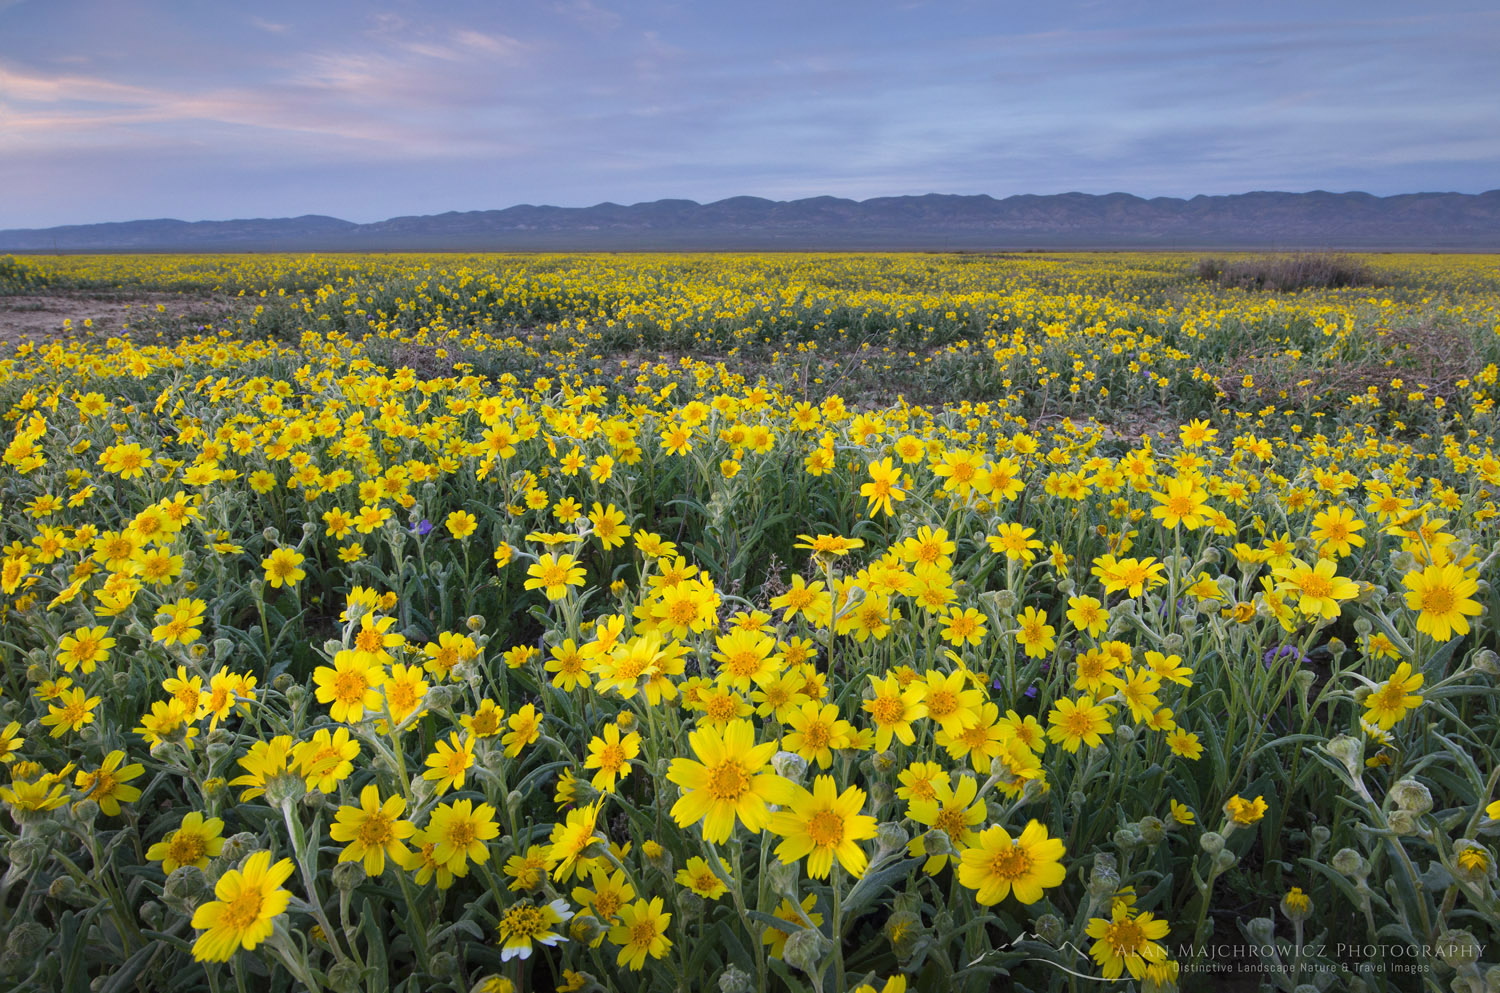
[(1423, 357), (1288, 273)]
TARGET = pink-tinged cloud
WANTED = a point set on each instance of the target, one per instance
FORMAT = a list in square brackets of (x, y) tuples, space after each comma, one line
[(328, 108)]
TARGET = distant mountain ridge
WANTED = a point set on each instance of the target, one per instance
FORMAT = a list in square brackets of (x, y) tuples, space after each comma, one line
[(1262, 220)]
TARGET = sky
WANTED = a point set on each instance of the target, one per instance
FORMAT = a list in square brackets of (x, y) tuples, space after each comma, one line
[(116, 110)]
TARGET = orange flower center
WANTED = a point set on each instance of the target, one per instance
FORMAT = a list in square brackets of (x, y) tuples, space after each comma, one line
[(186, 848), (643, 932), (952, 820), (1437, 600), (1010, 863), (728, 781), (1316, 586), (941, 703), (243, 910), (349, 687), (887, 710), (1126, 937), (825, 828), (375, 831)]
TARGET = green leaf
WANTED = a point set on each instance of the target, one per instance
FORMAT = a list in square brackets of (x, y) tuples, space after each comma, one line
[(872, 885)]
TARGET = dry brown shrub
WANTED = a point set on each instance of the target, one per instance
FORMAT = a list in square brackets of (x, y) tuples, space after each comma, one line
[(1286, 273)]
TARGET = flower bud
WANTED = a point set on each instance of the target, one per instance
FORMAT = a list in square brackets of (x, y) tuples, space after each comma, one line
[(805, 950), (84, 812), (1348, 862), (902, 929), (890, 837), (937, 842), (345, 977), (1005, 602), (733, 980), (1458, 948), (26, 856), (151, 914), (584, 928), (1152, 830), (1303, 680), (1296, 905), (186, 888), (64, 890), (691, 904), (784, 878), (1104, 875), (475, 623), (237, 846), (1472, 862), (1225, 860), (348, 875), (790, 765), (1487, 662), (1049, 927), (1410, 795), (1128, 838), (1262, 930), (656, 856), (1405, 823), (27, 938), (1349, 751), (1212, 842), (284, 789)]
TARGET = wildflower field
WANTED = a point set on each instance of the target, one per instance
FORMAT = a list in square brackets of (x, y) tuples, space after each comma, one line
[(748, 623)]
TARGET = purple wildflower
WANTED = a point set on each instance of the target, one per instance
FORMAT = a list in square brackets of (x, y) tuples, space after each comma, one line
[(1279, 651)]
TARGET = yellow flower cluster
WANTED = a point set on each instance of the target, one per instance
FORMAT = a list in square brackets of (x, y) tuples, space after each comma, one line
[(473, 618)]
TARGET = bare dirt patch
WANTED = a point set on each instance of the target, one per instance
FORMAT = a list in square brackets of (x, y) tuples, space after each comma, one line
[(1430, 358), (49, 315), (65, 313)]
